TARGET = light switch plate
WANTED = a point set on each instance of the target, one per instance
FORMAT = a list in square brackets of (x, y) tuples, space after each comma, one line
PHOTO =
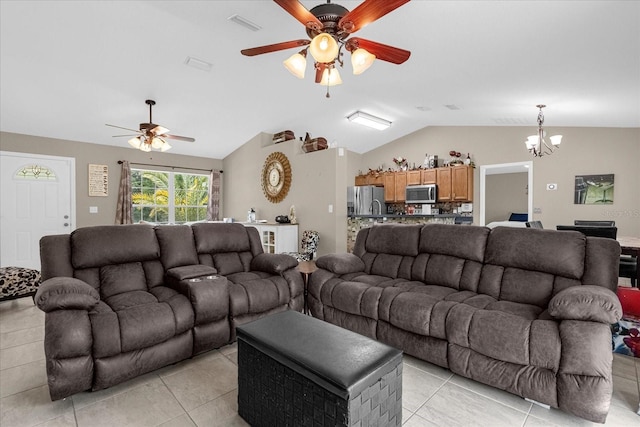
[(93, 209)]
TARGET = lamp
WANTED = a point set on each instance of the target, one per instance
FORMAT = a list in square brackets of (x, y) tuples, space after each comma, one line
[(536, 144), (297, 63), (324, 48), (361, 59), (369, 120), (146, 143), (330, 77)]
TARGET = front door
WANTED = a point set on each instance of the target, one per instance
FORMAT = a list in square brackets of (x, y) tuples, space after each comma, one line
[(37, 199)]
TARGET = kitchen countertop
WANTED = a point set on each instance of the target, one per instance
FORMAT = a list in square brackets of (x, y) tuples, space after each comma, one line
[(405, 216)]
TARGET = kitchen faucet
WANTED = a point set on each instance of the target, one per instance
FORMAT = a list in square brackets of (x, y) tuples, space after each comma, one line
[(379, 207)]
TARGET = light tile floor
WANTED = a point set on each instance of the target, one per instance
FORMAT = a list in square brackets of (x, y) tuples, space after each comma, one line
[(203, 391)]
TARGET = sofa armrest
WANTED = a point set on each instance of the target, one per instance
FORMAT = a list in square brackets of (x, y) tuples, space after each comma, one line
[(341, 263), (586, 302), (273, 263), (66, 293), (190, 271)]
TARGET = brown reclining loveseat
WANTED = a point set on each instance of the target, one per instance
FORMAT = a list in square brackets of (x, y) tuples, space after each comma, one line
[(124, 300), (524, 310)]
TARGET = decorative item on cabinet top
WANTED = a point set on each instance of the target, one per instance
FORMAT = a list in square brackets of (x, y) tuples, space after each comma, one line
[(315, 144), (285, 135)]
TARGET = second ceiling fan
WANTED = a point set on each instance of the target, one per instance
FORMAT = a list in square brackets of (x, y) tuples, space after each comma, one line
[(329, 27)]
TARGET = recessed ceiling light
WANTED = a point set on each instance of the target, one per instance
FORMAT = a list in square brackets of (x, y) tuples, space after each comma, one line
[(244, 22), (198, 63), (369, 120)]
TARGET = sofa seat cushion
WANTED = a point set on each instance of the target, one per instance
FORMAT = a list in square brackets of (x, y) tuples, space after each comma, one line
[(139, 319), (352, 297), (130, 299), (253, 293), (504, 336), (375, 280)]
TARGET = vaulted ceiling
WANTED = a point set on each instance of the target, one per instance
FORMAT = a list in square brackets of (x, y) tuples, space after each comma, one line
[(67, 68)]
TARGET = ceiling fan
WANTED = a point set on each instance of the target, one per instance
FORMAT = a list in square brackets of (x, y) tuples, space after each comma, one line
[(151, 135), (329, 26)]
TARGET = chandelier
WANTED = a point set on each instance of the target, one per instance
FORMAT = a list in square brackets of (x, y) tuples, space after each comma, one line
[(537, 144)]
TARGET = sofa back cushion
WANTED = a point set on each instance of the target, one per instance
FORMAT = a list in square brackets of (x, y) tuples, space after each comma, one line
[(529, 265), (116, 258), (113, 244), (450, 255), (121, 278), (177, 245), (389, 249), (229, 248)]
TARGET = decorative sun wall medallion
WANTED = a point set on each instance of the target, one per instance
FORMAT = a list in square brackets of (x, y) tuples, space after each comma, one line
[(276, 177)]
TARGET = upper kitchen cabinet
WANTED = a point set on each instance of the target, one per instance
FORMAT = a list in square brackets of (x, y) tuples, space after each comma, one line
[(395, 184), (414, 177), (428, 176), (455, 184)]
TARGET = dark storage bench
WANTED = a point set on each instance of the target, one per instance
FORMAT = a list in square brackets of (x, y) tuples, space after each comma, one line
[(300, 371)]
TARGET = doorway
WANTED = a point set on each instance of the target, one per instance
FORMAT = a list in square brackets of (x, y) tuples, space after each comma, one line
[(505, 168), (37, 199)]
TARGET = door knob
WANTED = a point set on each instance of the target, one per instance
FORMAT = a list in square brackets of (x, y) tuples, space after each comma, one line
[(66, 217), (66, 224)]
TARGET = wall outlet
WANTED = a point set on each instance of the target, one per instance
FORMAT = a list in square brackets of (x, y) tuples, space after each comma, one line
[(330, 208), (93, 209), (537, 210), (552, 187)]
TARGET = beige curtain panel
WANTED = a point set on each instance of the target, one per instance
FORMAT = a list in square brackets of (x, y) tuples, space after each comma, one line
[(123, 209)]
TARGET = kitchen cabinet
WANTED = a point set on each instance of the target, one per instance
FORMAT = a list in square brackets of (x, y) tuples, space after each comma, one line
[(370, 179), (428, 176), (443, 179), (277, 238), (455, 184), (395, 184), (414, 177)]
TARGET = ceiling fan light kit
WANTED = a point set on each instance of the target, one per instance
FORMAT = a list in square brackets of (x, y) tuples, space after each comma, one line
[(297, 64), (149, 134), (537, 144), (369, 120), (329, 26)]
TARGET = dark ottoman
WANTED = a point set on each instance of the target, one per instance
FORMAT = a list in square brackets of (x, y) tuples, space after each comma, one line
[(295, 370)]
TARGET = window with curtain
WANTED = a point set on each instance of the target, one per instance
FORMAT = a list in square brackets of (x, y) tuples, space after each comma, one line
[(168, 197)]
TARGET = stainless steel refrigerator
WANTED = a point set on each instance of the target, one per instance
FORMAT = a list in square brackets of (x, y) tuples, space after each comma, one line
[(365, 200)]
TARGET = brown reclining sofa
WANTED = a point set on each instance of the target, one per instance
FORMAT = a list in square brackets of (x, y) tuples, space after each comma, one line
[(123, 300), (524, 310)]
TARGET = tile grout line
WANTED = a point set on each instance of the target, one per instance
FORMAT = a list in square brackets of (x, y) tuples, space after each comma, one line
[(178, 400)]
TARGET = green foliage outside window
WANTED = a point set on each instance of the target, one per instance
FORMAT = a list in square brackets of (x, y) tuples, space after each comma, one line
[(168, 197)]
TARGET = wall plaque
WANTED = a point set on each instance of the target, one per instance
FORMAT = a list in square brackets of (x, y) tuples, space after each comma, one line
[(98, 180)]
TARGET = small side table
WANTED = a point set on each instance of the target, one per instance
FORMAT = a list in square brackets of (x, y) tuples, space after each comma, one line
[(306, 268)]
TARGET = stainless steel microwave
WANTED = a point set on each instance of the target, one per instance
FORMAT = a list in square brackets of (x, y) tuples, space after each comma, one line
[(422, 193)]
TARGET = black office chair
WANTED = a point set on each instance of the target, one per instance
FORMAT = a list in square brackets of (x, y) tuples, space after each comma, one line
[(534, 224), (591, 230), (594, 223), (628, 264)]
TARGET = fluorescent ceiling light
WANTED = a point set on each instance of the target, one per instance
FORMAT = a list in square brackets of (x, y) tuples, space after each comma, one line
[(369, 120), (244, 22)]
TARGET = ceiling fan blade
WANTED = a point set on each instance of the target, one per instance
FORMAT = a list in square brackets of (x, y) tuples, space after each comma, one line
[(118, 136), (367, 12), (301, 13), (384, 52), (120, 127), (179, 138), (274, 47)]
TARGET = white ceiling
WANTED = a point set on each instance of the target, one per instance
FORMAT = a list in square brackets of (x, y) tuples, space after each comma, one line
[(68, 68)]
